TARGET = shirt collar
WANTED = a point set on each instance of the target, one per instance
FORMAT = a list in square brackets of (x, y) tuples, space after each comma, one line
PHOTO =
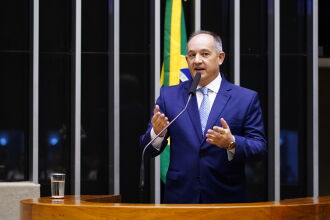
[(214, 85)]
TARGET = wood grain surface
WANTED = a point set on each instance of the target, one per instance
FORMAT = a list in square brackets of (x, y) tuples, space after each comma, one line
[(110, 208)]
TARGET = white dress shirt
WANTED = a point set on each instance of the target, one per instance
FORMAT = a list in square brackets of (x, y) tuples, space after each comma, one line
[(214, 88)]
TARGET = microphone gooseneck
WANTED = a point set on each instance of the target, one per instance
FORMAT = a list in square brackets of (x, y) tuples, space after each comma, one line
[(192, 92)]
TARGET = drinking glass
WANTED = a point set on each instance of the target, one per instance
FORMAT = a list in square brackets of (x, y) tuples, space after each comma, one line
[(57, 185)]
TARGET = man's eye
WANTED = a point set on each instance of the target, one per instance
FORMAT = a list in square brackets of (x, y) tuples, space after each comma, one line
[(205, 54), (191, 55)]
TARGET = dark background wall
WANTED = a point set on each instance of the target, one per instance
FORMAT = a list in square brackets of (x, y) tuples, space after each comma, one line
[(324, 91)]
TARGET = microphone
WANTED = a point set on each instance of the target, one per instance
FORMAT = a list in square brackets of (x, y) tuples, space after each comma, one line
[(194, 84), (192, 91)]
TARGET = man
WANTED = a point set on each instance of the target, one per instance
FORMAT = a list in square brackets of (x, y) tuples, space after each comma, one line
[(210, 142)]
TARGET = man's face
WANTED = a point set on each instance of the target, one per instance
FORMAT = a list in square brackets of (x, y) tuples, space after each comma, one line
[(203, 57)]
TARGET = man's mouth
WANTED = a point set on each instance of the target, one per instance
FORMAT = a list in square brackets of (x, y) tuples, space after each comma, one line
[(199, 69)]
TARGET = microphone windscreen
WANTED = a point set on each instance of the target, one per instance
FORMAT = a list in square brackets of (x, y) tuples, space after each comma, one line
[(194, 84)]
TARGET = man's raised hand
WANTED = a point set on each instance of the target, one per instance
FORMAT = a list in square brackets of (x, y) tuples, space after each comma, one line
[(159, 121)]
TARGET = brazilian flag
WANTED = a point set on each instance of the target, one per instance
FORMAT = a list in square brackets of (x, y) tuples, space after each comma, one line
[(175, 67)]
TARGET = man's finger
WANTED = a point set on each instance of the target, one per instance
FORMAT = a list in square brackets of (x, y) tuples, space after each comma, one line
[(210, 140), (159, 118), (211, 132), (224, 123), (218, 129), (155, 117), (156, 109)]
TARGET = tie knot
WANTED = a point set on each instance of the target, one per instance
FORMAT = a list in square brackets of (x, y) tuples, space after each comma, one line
[(204, 90)]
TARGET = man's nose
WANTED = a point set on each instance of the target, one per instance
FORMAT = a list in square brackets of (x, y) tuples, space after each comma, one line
[(198, 58)]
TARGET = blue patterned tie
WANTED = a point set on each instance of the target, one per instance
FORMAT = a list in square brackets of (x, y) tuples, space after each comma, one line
[(204, 109)]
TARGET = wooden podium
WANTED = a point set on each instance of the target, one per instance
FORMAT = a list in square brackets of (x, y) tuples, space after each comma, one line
[(109, 207)]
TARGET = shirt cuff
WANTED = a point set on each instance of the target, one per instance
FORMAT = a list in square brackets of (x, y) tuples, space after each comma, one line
[(158, 141)]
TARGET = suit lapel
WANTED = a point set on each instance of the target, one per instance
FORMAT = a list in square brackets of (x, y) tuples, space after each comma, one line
[(219, 105)]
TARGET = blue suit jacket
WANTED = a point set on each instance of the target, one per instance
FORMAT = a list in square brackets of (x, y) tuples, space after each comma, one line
[(200, 172)]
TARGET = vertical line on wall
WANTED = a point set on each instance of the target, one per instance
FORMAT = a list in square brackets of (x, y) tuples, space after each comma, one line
[(77, 121), (35, 94), (312, 98), (110, 82), (277, 116), (237, 50), (116, 110), (156, 92), (197, 15), (273, 100), (315, 102)]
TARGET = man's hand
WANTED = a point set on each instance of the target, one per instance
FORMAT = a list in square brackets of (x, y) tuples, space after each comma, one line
[(220, 136), (159, 121)]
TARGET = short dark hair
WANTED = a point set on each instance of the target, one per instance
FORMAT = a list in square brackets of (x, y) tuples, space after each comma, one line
[(217, 38)]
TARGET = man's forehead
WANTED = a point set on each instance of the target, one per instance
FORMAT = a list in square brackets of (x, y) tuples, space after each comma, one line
[(201, 42), (198, 49), (202, 35)]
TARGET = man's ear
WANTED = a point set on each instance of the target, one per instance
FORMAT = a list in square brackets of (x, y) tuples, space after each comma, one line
[(221, 57)]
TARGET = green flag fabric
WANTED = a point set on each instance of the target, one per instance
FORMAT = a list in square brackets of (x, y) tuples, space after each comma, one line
[(175, 42)]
